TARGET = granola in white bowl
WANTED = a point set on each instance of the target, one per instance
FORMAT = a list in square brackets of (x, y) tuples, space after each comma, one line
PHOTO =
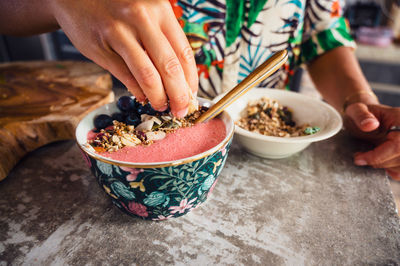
[(305, 110)]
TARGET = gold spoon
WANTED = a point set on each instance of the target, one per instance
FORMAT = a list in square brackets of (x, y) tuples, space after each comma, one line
[(259, 74)]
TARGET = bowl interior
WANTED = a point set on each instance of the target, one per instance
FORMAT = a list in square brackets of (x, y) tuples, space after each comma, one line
[(305, 110), (86, 124)]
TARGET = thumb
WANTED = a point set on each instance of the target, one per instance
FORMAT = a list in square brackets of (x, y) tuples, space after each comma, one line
[(362, 117)]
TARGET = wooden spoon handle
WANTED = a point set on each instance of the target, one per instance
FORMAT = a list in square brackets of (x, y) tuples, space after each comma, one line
[(265, 70)]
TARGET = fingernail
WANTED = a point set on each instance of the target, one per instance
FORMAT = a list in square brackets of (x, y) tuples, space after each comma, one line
[(368, 121), (163, 108), (182, 113), (142, 101), (360, 162)]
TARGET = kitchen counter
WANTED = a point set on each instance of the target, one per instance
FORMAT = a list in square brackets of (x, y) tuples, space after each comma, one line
[(313, 208)]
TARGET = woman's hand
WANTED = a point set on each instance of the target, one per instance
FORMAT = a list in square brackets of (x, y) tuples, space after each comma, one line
[(339, 78), (139, 41), (374, 123)]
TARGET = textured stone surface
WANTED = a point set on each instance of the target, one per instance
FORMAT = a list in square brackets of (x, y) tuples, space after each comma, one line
[(314, 208)]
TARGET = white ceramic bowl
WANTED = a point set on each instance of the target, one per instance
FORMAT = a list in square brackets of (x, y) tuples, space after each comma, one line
[(305, 110)]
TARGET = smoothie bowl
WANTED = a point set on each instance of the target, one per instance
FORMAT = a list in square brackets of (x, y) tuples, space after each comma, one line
[(165, 179)]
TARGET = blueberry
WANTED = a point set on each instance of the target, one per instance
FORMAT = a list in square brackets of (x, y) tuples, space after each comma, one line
[(149, 110), (160, 113), (140, 109), (203, 108), (286, 116), (291, 123), (145, 109), (102, 121), (133, 119), (136, 103), (126, 104), (120, 117)]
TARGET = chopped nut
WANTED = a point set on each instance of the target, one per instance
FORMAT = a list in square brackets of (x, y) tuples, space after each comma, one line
[(145, 126), (252, 110), (156, 135), (178, 123), (166, 117), (115, 139), (193, 104), (129, 142)]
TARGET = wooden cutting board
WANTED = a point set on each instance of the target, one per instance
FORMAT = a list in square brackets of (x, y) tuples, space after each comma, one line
[(42, 102)]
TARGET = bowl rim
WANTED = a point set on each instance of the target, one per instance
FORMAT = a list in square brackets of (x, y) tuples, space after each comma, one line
[(196, 157), (301, 139)]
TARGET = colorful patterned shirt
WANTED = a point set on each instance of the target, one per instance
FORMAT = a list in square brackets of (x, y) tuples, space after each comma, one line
[(230, 38)]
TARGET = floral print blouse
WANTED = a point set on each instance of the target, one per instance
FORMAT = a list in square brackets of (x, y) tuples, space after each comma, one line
[(230, 38)]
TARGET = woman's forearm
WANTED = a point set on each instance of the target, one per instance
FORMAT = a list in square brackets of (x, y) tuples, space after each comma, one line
[(26, 17), (338, 77)]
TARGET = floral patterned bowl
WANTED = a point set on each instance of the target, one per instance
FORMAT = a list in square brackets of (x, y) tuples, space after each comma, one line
[(156, 191)]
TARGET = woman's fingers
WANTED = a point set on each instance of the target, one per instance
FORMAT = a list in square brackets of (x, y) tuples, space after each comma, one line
[(387, 154), (377, 156), (395, 162), (384, 155), (125, 43), (116, 65), (394, 173), (184, 52), (171, 71), (168, 65), (362, 117)]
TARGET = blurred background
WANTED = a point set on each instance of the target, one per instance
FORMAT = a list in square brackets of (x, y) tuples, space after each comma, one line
[(375, 25)]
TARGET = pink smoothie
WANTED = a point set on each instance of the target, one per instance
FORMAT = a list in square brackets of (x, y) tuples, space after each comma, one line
[(183, 143)]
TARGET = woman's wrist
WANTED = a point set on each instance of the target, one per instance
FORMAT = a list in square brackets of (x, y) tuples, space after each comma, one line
[(366, 96)]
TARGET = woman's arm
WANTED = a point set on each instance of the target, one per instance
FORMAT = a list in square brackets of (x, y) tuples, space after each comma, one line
[(338, 76), (24, 17)]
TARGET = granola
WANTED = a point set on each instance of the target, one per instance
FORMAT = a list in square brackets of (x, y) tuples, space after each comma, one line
[(268, 117), (151, 128)]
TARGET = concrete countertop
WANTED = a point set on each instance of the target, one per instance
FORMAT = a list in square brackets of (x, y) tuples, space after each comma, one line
[(314, 208)]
